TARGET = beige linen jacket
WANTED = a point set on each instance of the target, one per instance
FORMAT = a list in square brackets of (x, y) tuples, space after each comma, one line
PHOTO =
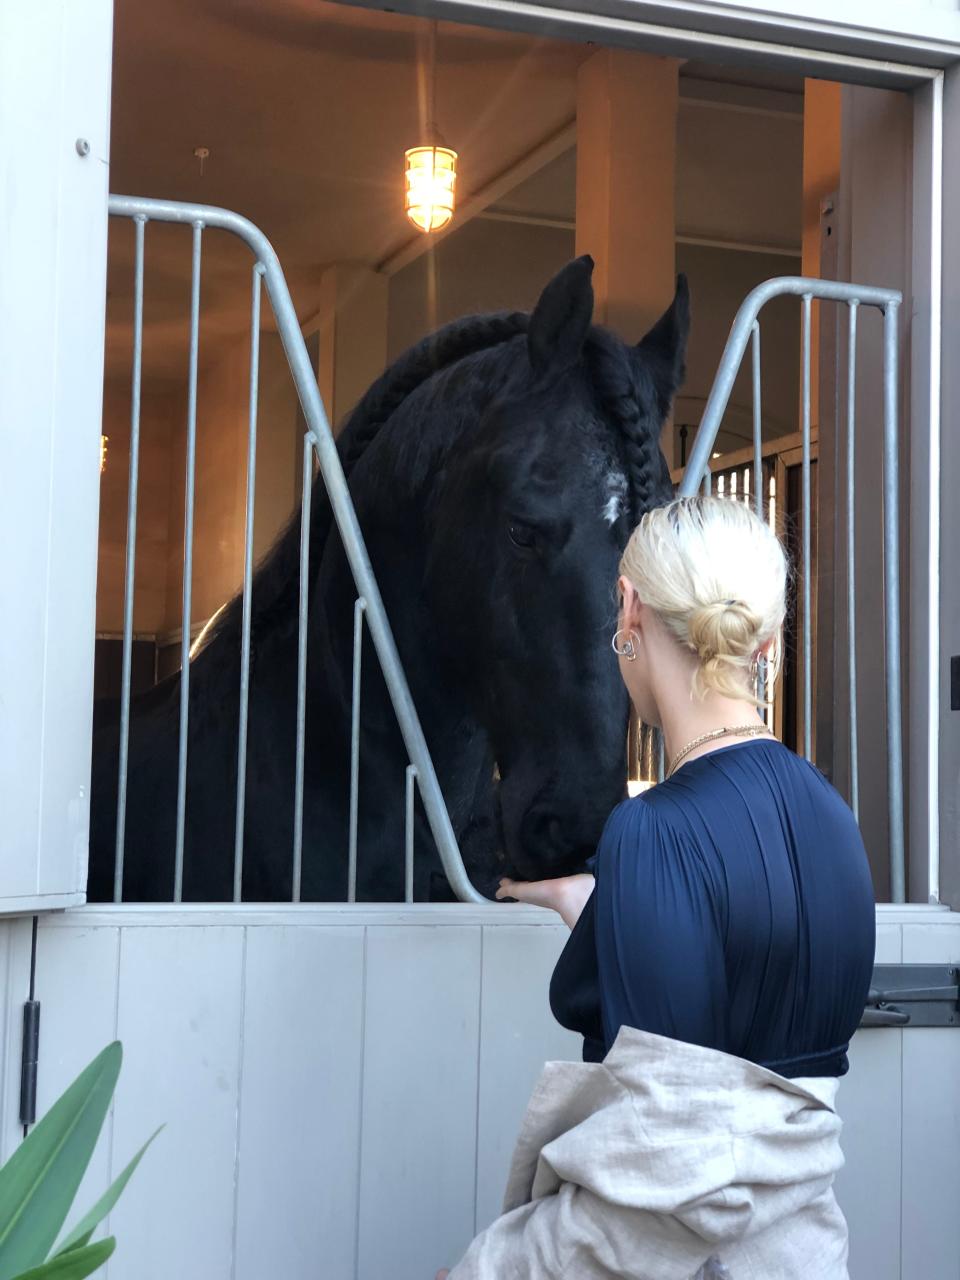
[(668, 1162)]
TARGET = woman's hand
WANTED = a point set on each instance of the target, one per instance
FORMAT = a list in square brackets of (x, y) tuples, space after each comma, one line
[(567, 895)]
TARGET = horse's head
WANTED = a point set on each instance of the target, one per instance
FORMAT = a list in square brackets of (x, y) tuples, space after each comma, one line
[(529, 516)]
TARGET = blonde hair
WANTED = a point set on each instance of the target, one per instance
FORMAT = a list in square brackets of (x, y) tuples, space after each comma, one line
[(716, 576)]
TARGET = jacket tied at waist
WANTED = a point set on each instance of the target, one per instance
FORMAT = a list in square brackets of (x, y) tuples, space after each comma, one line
[(665, 1159)]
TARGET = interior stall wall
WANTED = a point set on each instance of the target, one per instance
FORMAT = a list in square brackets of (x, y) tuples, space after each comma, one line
[(483, 266), (720, 279), (161, 414)]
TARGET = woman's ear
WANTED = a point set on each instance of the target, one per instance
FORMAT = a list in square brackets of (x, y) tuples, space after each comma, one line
[(630, 606)]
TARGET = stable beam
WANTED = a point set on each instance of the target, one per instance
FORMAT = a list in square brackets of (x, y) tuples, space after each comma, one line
[(626, 179), (626, 176)]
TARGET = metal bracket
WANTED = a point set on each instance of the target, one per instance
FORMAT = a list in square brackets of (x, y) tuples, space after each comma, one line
[(914, 995)]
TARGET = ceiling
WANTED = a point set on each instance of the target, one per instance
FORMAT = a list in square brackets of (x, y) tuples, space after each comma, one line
[(306, 108)]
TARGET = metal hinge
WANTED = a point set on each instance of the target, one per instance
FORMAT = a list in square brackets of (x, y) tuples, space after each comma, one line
[(29, 1057), (913, 995)]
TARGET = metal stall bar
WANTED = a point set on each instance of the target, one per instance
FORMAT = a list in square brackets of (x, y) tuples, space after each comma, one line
[(888, 302), (321, 438), (359, 609), (247, 585), (851, 562), (806, 536), (306, 490), (408, 834), (757, 422), (131, 556), (891, 576), (758, 472), (188, 506)]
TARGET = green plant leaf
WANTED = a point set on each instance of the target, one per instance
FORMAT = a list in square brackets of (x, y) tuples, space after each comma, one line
[(39, 1181), (74, 1265), (81, 1233)]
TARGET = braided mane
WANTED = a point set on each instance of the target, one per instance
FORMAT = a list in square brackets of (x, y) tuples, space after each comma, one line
[(624, 386), (627, 390), (276, 582)]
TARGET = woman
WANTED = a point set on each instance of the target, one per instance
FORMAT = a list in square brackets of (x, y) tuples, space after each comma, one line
[(717, 966)]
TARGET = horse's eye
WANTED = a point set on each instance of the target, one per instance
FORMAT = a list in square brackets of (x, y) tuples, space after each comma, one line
[(522, 536)]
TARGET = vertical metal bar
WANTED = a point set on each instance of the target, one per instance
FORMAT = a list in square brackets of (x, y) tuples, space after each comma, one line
[(247, 585), (131, 556), (661, 768), (707, 481), (891, 575), (358, 611), (408, 836), (188, 562), (302, 662), (806, 532), (757, 423), (851, 558)]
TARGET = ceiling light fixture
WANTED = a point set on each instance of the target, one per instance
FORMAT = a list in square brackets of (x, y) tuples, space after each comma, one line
[(430, 177)]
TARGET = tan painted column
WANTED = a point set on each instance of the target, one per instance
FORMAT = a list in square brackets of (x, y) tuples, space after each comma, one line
[(351, 325), (626, 166), (626, 181), (821, 161), (821, 177)]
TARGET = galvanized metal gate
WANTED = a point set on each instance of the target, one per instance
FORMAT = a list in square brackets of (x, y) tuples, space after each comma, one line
[(318, 442)]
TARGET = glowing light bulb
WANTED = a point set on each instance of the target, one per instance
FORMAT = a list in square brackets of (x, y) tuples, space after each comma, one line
[(431, 179)]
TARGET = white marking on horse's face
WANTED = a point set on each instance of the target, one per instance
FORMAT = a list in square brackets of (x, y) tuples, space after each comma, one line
[(616, 484)]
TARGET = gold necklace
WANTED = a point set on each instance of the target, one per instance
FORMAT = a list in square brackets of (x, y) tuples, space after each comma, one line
[(735, 731)]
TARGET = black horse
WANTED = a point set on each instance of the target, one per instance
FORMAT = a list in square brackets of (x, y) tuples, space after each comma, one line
[(496, 468)]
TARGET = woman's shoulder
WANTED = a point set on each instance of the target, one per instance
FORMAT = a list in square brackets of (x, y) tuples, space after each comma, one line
[(633, 822)]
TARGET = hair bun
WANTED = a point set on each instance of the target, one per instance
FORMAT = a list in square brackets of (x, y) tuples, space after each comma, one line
[(696, 562), (724, 630)]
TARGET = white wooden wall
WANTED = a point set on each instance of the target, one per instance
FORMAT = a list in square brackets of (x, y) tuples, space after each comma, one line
[(54, 90), (341, 1087)]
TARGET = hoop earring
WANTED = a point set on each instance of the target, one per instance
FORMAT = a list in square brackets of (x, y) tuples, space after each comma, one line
[(625, 648)]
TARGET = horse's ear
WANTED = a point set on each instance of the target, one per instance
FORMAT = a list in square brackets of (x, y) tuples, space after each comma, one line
[(561, 319), (666, 342)]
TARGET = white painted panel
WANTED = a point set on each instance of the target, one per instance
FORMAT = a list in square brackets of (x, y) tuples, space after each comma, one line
[(54, 87), (934, 943), (418, 1149), (889, 944), (179, 1020), (931, 1153), (76, 984), (300, 1103), (931, 1124), (868, 1187), (76, 351), (518, 1034)]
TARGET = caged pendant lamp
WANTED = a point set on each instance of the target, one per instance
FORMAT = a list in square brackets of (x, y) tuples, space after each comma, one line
[(430, 177)]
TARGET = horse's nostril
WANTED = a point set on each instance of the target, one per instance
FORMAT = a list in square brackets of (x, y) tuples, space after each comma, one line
[(543, 832)]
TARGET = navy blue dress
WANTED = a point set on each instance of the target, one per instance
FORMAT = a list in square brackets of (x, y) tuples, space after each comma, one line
[(733, 909)]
